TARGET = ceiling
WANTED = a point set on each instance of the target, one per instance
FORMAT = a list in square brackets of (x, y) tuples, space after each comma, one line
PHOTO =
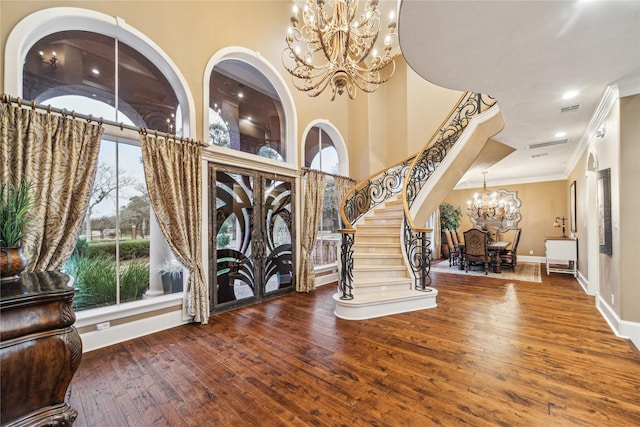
[(527, 54)]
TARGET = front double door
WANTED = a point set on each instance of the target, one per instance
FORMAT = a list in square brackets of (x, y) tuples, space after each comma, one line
[(251, 229)]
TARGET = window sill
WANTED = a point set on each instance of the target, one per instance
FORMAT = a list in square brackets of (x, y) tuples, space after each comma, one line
[(128, 309)]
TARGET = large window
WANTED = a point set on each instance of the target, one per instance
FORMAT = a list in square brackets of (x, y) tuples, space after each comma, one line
[(98, 75), (321, 154), (245, 111)]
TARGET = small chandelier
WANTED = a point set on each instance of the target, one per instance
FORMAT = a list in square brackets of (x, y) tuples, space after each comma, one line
[(334, 48), (491, 206)]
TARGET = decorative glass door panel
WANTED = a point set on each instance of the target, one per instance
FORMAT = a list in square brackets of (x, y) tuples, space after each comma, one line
[(252, 235), (278, 234)]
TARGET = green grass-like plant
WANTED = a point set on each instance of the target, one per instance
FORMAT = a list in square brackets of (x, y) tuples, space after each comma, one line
[(15, 202), (129, 249), (95, 278)]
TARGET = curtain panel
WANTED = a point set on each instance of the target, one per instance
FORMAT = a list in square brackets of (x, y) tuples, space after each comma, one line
[(59, 156), (342, 186), (313, 202), (173, 173)]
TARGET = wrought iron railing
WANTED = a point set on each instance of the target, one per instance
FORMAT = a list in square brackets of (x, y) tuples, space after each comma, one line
[(406, 177), (373, 191), (425, 163), (363, 197)]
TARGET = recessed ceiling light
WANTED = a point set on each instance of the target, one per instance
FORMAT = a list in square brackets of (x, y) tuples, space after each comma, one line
[(560, 134), (240, 95), (95, 71), (569, 95)]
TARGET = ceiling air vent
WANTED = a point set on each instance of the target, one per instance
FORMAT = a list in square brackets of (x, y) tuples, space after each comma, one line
[(548, 144), (570, 108), (535, 156)]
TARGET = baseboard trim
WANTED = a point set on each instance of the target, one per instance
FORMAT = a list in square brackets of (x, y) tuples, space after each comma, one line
[(531, 258), (622, 328), (584, 283), (94, 340)]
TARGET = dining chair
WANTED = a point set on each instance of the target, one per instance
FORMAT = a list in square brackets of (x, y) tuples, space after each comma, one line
[(454, 252), (475, 249), (509, 259)]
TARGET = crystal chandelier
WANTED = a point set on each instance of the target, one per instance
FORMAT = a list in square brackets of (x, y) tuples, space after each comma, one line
[(491, 206), (332, 47)]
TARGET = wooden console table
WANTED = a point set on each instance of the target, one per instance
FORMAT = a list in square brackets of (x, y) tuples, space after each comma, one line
[(562, 255), (40, 350)]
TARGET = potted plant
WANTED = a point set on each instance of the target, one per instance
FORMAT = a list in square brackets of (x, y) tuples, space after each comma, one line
[(450, 218), (15, 202), (171, 275)]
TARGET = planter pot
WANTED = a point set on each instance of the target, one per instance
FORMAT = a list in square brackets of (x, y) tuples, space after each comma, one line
[(12, 262), (171, 282)]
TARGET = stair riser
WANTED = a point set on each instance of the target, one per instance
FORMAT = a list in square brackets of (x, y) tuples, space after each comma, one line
[(361, 260), (363, 251), (372, 238), (380, 222), (368, 275), (370, 290), (377, 229)]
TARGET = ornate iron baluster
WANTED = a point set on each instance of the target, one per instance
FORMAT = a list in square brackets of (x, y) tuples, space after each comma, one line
[(346, 258), (419, 255)]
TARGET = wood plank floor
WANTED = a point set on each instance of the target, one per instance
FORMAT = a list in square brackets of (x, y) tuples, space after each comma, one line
[(493, 353)]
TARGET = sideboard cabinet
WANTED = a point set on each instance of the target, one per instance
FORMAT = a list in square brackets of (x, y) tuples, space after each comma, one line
[(40, 350), (562, 255)]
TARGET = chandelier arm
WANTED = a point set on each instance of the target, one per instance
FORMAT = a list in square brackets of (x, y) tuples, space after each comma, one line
[(345, 43)]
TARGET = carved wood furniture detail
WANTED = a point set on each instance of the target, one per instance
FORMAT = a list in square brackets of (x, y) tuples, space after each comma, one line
[(40, 350)]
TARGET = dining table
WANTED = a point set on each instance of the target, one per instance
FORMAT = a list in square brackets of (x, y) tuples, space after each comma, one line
[(495, 247)]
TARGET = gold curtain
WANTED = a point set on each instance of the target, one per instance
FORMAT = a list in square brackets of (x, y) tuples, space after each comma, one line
[(173, 173), (313, 200), (342, 186), (59, 155)]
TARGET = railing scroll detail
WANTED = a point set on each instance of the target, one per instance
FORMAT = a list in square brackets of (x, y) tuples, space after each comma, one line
[(345, 285)]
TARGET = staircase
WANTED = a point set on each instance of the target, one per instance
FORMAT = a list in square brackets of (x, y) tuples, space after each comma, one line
[(384, 252), (382, 282)]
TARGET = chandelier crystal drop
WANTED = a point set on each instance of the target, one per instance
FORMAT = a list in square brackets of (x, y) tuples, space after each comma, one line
[(335, 47)]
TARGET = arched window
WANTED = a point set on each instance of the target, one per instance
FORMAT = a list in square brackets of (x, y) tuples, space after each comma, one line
[(247, 99), (253, 101), (97, 65), (100, 68), (321, 153)]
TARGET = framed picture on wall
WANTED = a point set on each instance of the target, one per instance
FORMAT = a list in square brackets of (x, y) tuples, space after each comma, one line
[(604, 211), (572, 207)]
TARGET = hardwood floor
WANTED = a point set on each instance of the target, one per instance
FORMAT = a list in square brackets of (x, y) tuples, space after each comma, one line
[(492, 353)]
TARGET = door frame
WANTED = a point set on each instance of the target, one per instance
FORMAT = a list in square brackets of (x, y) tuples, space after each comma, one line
[(257, 238)]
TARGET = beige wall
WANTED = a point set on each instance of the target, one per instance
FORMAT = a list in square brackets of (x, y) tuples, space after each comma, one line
[(629, 201), (541, 203), (607, 151), (578, 175)]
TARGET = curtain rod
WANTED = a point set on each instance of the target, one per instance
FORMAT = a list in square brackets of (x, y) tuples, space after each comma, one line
[(7, 99), (306, 170)]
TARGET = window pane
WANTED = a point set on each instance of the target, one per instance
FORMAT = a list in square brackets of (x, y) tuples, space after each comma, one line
[(320, 154), (145, 95), (250, 107), (93, 265), (83, 63), (133, 224), (71, 63)]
